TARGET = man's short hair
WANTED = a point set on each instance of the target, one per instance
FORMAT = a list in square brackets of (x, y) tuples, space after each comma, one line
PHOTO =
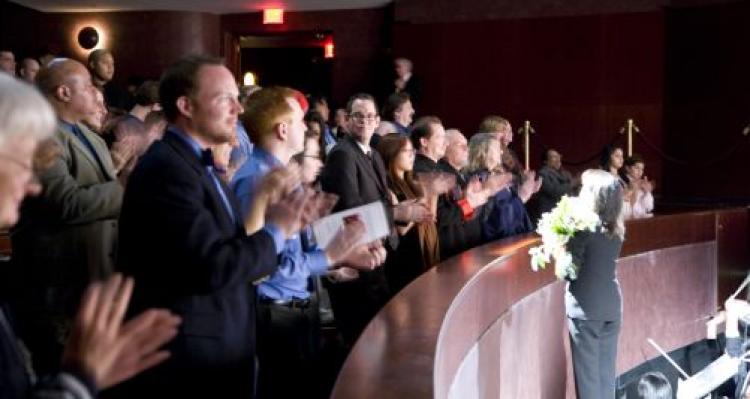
[(422, 128), (147, 93), (406, 61), (392, 104), (181, 79), (265, 109), (361, 97), (492, 124), (97, 55)]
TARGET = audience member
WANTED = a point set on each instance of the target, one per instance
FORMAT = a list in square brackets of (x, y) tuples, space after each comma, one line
[(7, 62), (418, 247), (405, 80), (639, 202), (339, 124), (556, 182), (182, 239), (397, 116), (102, 351), (101, 63), (28, 70), (67, 235), (504, 215), (288, 321), (319, 105), (356, 173), (611, 159)]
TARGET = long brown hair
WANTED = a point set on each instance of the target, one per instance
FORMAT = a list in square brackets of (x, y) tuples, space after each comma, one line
[(389, 147)]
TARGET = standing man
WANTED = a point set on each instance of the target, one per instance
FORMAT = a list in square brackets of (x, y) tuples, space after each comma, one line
[(405, 81), (28, 70), (356, 173), (102, 66), (67, 235), (183, 239), (7, 62)]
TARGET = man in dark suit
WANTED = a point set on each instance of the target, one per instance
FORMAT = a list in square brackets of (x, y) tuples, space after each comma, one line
[(182, 238), (67, 235), (355, 172)]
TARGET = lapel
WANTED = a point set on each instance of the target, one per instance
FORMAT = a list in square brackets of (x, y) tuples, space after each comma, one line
[(368, 165), (81, 149), (186, 153), (101, 151)]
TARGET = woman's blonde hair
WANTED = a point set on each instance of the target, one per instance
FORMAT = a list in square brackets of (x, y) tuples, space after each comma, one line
[(479, 149), (604, 193)]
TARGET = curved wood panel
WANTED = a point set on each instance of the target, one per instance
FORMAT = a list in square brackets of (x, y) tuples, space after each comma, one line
[(470, 311)]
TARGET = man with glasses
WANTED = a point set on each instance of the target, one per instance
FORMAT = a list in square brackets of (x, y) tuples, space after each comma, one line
[(356, 173)]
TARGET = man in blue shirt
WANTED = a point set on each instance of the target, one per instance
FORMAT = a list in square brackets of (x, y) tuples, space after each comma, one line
[(288, 320)]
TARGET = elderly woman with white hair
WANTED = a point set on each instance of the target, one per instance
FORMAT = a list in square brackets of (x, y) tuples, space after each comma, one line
[(593, 302), (102, 350)]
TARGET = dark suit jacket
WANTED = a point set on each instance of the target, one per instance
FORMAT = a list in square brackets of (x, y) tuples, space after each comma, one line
[(65, 237), (357, 180), (188, 255), (595, 294)]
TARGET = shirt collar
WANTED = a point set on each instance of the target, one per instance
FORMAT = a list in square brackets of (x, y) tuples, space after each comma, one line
[(364, 147), (197, 149), (67, 126), (265, 157)]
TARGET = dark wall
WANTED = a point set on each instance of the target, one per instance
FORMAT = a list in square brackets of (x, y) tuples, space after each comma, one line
[(577, 79), (143, 43), (361, 37), (707, 102)]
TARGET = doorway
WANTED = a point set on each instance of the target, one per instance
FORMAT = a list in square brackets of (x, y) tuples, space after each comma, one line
[(297, 60)]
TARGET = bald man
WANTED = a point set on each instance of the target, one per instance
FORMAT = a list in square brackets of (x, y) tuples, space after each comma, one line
[(66, 236), (7, 62), (28, 70)]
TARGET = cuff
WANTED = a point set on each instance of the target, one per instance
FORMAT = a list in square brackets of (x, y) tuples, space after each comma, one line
[(466, 210), (278, 237), (318, 262), (75, 380)]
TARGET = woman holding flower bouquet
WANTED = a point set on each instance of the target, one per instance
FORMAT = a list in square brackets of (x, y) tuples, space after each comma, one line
[(593, 303)]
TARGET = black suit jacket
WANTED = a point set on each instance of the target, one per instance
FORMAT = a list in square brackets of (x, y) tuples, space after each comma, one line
[(188, 255), (358, 180)]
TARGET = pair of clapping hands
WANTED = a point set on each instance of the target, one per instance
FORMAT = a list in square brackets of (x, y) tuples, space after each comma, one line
[(108, 349), (290, 206)]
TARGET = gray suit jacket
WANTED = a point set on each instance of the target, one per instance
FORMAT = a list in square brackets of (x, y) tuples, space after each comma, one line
[(595, 294), (66, 236)]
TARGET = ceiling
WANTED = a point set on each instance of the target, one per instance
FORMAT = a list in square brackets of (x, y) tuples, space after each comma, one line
[(209, 6)]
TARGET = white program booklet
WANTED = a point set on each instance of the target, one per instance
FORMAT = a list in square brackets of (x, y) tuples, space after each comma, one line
[(373, 216)]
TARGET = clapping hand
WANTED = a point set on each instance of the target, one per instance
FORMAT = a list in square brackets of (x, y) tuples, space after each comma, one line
[(123, 150), (291, 212), (109, 351), (529, 186), (412, 211), (497, 182), (436, 183), (476, 195)]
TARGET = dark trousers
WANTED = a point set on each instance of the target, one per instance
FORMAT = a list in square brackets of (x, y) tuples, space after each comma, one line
[(594, 348), (356, 302), (288, 350)]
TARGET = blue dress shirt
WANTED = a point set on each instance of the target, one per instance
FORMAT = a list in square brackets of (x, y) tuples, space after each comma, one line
[(296, 264)]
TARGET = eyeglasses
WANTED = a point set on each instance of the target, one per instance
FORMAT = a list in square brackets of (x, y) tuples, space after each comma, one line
[(362, 117)]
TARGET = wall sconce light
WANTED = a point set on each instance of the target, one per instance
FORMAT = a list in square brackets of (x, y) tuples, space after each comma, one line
[(249, 79), (88, 38)]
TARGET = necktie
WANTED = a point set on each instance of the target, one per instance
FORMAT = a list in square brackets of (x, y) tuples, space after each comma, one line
[(207, 158)]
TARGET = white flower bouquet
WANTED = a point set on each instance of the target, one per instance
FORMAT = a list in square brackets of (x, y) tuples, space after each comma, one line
[(556, 228)]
